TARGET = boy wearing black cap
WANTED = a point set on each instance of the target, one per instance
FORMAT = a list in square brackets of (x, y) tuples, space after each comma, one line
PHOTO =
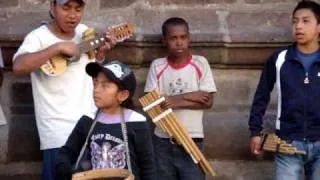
[(120, 137), (59, 101)]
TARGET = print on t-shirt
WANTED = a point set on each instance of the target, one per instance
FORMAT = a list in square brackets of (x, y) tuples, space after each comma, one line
[(177, 86), (107, 151)]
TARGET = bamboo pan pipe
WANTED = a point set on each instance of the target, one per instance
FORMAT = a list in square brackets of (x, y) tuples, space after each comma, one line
[(166, 120), (274, 144)]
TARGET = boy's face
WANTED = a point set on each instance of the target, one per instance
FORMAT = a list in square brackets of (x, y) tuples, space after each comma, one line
[(68, 15), (305, 28), (177, 41), (106, 93)]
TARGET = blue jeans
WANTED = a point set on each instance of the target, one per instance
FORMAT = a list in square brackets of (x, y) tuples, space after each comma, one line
[(292, 166), (48, 163), (174, 163)]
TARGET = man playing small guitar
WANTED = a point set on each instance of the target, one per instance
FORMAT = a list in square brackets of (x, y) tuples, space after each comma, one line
[(59, 100)]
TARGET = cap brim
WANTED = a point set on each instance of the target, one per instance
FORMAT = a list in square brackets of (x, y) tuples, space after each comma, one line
[(93, 70)]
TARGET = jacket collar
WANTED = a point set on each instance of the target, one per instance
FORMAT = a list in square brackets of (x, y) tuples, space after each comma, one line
[(292, 53)]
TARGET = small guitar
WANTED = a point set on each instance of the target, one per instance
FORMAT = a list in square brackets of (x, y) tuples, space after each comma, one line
[(58, 64)]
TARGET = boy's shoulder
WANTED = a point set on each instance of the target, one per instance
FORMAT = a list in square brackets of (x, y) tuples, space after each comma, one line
[(42, 29), (288, 51), (200, 62), (199, 59)]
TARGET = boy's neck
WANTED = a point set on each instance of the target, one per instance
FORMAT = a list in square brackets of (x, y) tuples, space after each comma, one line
[(54, 27), (178, 60), (308, 48)]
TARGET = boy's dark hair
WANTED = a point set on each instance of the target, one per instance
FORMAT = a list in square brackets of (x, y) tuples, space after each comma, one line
[(173, 21), (311, 5)]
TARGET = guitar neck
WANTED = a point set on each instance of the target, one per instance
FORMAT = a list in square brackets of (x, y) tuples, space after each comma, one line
[(88, 45), (120, 33)]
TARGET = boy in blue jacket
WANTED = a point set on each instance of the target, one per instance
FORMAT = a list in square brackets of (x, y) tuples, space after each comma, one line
[(296, 72)]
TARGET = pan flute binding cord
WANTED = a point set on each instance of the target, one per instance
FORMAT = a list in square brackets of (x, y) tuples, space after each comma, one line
[(166, 120)]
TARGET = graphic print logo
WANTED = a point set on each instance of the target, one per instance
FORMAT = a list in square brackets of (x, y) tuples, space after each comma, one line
[(106, 156)]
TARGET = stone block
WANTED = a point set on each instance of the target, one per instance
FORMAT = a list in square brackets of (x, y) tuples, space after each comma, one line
[(190, 2), (247, 55), (21, 93), (179, 2), (240, 170), (20, 170), (22, 109), (17, 25), (4, 134), (259, 26), (6, 3), (220, 1), (115, 3), (206, 31), (252, 1), (227, 136), (8, 50), (280, 1), (23, 141), (20, 177)]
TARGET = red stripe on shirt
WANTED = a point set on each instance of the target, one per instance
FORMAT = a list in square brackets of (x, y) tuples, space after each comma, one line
[(199, 73), (161, 72)]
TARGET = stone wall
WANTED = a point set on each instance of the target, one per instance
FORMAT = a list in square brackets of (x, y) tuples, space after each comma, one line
[(235, 35)]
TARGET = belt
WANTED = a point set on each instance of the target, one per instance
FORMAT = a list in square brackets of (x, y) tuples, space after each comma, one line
[(196, 140)]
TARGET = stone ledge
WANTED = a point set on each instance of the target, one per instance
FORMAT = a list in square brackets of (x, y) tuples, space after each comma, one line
[(141, 54), (20, 168), (240, 170), (226, 170)]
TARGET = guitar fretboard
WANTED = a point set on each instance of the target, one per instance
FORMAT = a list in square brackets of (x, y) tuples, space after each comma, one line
[(86, 46)]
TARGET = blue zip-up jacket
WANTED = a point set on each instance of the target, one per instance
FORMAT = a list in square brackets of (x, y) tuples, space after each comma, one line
[(298, 97)]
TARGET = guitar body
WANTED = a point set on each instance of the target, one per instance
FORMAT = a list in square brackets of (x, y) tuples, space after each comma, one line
[(55, 66)]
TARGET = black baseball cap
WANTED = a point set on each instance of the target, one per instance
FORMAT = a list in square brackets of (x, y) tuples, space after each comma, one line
[(117, 72)]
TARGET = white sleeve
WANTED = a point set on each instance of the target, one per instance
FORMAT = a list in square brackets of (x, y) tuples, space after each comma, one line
[(30, 44), (151, 82), (207, 81)]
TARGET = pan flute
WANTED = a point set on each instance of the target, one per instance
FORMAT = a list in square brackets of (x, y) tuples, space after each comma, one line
[(271, 142), (107, 174), (170, 124)]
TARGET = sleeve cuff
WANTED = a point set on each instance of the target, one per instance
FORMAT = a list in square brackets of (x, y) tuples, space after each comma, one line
[(255, 133)]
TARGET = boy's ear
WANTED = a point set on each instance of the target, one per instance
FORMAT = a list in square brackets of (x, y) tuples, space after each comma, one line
[(164, 40), (123, 95), (318, 28), (51, 10)]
